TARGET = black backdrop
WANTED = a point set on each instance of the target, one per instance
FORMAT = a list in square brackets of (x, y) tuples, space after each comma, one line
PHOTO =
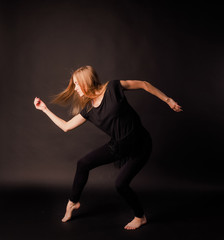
[(178, 49)]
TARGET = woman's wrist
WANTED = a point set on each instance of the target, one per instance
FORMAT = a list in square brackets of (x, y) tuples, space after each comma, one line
[(167, 100), (45, 110)]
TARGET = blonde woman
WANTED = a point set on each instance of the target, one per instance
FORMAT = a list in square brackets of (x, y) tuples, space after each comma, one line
[(106, 106)]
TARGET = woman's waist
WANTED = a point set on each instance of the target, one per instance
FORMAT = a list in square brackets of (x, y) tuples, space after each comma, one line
[(136, 136)]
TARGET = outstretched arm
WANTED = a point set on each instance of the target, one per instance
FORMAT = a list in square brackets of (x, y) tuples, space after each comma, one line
[(65, 126), (137, 84)]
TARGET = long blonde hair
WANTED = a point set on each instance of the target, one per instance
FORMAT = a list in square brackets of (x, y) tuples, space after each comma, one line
[(90, 85)]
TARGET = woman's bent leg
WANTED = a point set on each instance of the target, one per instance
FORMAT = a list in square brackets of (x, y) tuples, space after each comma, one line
[(128, 172), (92, 160), (96, 158)]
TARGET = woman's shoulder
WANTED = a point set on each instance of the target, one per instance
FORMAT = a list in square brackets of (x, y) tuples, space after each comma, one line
[(115, 87), (114, 83)]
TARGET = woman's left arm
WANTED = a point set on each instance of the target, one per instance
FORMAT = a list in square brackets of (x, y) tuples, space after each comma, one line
[(137, 84)]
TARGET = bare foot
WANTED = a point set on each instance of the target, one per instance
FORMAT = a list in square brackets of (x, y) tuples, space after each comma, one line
[(70, 207), (136, 223)]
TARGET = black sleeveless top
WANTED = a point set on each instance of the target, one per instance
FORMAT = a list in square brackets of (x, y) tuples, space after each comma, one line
[(119, 120)]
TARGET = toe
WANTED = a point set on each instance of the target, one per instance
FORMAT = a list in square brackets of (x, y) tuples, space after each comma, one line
[(127, 227)]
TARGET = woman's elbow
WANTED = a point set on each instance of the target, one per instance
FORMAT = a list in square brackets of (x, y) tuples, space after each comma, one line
[(144, 85), (65, 127)]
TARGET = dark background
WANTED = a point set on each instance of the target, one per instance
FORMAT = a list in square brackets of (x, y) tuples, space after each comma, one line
[(179, 49)]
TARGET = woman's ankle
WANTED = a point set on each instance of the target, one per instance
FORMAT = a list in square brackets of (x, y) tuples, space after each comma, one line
[(140, 218)]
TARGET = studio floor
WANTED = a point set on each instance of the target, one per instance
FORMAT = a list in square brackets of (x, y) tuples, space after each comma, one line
[(35, 213)]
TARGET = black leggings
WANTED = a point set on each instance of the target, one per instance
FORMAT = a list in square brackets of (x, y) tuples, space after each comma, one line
[(102, 156)]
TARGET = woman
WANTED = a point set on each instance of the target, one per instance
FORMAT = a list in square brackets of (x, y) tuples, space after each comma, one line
[(106, 106)]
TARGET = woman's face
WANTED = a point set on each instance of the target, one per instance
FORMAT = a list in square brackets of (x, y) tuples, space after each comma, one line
[(77, 87)]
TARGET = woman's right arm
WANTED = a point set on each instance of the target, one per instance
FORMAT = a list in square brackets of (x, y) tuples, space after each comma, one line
[(65, 126)]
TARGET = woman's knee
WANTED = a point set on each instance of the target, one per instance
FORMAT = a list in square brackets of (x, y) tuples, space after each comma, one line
[(82, 165), (120, 186)]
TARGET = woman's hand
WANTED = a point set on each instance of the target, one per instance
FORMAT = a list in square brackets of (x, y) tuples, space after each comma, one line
[(40, 105), (173, 105)]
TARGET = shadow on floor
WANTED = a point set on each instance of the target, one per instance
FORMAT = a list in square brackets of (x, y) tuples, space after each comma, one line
[(36, 212)]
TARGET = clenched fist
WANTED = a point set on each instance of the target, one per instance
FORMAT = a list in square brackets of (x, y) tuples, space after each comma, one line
[(39, 104)]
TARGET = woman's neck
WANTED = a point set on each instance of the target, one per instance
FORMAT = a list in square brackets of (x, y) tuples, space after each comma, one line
[(97, 100)]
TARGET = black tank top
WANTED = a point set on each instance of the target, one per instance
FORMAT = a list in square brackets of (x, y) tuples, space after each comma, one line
[(114, 115)]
